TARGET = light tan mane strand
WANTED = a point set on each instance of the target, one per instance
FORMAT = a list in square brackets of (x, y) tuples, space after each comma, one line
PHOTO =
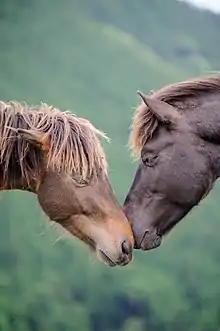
[(144, 123)]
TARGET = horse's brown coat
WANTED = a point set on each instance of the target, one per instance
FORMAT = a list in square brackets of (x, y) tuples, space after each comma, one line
[(58, 156)]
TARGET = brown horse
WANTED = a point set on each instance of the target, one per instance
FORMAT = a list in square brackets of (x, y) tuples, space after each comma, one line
[(58, 157), (176, 133)]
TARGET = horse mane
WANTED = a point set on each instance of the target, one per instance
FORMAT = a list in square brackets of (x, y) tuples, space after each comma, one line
[(145, 123), (74, 143)]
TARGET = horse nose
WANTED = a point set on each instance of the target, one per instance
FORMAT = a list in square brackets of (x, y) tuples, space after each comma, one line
[(124, 255), (126, 247)]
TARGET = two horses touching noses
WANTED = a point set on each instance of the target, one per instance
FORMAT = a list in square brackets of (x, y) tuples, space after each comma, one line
[(58, 156)]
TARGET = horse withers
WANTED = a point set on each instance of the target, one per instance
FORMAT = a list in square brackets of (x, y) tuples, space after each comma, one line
[(58, 156), (176, 135)]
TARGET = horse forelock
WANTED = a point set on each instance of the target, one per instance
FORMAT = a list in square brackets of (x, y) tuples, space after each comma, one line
[(74, 147), (144, 123)]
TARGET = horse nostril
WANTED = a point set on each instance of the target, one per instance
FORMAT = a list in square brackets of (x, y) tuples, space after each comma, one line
[(126, 247)]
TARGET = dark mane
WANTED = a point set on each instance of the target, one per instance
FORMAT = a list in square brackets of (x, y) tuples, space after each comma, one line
[(144, 123), (74, 143)]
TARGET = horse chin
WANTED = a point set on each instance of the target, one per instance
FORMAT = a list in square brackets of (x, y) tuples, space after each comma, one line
[(103, 257)]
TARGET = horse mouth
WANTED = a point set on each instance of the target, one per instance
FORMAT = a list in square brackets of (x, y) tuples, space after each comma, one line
[(113, 263)]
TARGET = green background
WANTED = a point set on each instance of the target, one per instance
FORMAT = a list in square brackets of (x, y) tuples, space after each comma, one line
[(91, 56)]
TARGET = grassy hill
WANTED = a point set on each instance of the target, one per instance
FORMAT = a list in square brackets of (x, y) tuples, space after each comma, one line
[(91, 57)]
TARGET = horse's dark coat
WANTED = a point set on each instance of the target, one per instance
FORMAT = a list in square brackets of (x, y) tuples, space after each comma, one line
[(176, 132)]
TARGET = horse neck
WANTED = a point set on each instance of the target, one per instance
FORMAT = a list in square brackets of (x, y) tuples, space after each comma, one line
[(12, 181), (205, 118)]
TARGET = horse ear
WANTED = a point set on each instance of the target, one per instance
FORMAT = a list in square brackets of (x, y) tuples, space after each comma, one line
[(36, 138), (164, 112)]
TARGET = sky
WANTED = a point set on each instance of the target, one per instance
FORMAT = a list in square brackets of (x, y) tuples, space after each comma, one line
[(213, 5)]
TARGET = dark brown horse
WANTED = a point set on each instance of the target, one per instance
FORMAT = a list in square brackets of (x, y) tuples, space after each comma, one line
[(58, 157), (176, 133)]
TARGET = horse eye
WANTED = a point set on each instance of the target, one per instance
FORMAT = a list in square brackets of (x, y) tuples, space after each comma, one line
[(150, 160), (80, 181), (83, 182)]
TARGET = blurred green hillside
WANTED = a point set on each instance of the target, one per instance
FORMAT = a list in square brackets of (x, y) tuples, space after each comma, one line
[(90, 57)]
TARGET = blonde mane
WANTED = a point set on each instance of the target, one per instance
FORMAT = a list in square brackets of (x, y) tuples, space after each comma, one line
[(74, 143), (145, 123)]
